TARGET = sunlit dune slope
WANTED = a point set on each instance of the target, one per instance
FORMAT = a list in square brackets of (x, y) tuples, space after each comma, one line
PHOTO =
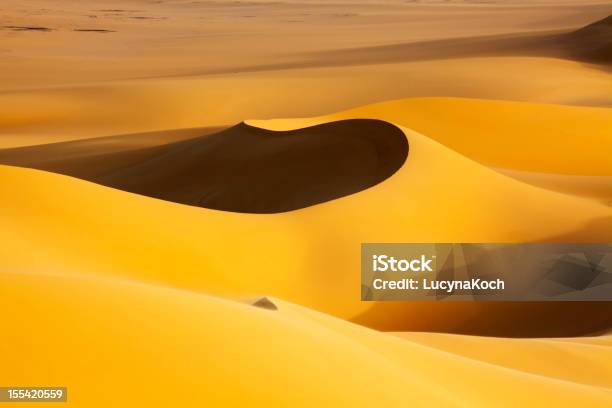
[(512, 135), (243, 169), (557, 147), (124, 344), (54, 223), (541, 357)]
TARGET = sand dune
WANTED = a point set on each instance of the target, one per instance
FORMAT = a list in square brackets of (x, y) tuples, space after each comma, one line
[(500, 133), (503, 140), (140, 38), (243, 169), (59, 114), (135, 339), (87, 158), (131, 300), (309, 256), (64, 94), (592, 43)]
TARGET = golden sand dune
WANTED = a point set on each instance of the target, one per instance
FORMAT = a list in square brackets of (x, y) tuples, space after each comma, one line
[(124, 344), (310, 256), (133, 301), (243, 169), (513, 135), (495, 133)]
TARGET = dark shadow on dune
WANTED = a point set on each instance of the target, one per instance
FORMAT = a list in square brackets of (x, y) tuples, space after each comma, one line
[(500, 319), (92, 158), (28, 28), (241, 169), (592, 43), (93, 30)]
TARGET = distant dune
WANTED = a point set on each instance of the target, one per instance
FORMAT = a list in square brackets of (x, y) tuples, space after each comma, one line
[(593, 42), (243, 169), (180, 38)]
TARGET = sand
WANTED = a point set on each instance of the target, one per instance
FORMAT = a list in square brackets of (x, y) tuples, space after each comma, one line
[(168, 65), (596, 187), (309, 256), (157, 347), (242, 169), (119, 121), (570, 140), (176, 38)]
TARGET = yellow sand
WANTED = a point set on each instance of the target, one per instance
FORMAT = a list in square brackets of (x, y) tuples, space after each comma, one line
[(124, 344), (131, 301), (596, 187), (512, 135), (36, 116), (308, 256), (92, 277)]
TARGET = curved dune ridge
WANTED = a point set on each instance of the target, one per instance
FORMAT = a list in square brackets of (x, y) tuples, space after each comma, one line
[(497, 133), (309, 256), (241, 169), (147, 345)]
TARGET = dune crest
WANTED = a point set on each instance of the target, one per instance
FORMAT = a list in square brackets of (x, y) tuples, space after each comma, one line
[(497, 133), (243, 168)]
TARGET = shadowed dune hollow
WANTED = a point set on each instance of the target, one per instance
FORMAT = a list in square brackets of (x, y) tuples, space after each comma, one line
[(241, 169)]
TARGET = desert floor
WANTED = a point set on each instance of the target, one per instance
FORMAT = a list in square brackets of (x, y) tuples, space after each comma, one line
[(165, 164)]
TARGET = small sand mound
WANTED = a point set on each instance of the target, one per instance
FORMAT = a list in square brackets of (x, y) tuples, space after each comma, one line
[(265, 303)]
